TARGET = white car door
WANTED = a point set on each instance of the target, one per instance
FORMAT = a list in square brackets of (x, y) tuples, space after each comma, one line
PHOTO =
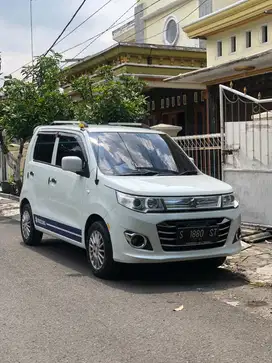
[(37, 170), (68, 191)]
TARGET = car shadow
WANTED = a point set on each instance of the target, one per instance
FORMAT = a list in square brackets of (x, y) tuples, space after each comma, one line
[(141, 279)]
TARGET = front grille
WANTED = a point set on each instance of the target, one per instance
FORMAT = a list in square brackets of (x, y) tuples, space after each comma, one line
[(168, 234)]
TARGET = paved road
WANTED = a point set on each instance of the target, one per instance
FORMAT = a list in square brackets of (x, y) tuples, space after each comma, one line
[(53, 310)]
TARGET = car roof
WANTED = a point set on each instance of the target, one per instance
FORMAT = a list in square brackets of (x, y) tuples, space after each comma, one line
[(97, 128)]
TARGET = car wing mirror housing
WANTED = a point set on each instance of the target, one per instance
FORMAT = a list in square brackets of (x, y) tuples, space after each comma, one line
[(72, 163)]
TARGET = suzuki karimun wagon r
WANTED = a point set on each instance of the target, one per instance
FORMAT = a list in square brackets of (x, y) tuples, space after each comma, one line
[(125, 194)]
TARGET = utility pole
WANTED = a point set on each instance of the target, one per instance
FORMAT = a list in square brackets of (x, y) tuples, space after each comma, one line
[(31, 31)]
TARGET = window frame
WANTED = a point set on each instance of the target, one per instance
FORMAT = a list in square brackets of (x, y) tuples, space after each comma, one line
[(233, 44), (53, 133), (217, 49), (167, 21), (246, 34), (86, 169), (267, 34)]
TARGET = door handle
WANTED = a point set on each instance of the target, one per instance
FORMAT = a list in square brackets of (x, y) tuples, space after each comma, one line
[(52, 181), (31, 173)]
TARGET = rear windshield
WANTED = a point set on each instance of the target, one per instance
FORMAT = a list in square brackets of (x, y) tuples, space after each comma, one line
[(126, 153)]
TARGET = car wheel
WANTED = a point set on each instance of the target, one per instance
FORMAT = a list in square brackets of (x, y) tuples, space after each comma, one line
[(99, 251), (30, 235), (212, 263)]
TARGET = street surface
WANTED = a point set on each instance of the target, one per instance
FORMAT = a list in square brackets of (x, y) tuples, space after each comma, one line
[(53, 310)]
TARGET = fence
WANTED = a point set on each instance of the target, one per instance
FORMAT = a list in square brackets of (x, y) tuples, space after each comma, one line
[(205, 150)]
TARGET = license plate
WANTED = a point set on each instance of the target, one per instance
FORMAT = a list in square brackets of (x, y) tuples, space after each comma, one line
[(197, 235)]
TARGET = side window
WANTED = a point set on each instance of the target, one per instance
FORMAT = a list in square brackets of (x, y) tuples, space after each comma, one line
[(69, 146), (44, 148)]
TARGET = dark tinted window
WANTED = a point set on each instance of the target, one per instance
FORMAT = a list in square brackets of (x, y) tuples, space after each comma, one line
[(44, 148), (139, 153), (69, 146)]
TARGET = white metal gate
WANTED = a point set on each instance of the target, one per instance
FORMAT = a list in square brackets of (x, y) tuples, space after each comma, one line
[(246, 131), (205, 150)]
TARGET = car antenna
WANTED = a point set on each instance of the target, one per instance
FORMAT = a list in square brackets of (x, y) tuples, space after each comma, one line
[(97, 165)]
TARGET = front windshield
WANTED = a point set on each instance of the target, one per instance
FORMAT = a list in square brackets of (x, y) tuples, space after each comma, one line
[(126, 153)]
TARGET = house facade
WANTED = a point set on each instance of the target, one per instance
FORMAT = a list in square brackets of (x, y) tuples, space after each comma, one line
[(239, 53), (238, 79)]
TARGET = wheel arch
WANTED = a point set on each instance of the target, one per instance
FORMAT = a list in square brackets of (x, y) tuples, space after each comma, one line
[(92, 219), (23, 203)]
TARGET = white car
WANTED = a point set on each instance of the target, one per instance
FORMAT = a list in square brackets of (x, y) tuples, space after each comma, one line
[(125, 194)]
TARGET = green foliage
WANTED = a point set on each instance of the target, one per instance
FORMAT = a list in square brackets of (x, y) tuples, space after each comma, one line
[(29, 103), (112, 99)]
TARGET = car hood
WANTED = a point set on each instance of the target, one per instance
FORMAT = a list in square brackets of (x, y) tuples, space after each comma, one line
[(180, 185)]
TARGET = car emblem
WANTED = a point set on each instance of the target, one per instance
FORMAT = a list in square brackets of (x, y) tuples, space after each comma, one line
[(193, 203)]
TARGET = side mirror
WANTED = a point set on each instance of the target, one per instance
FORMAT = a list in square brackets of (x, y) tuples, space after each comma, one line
[(192, 160), (72, 163)]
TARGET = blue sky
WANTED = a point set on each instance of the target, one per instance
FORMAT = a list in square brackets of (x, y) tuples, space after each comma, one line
[(49, 18)]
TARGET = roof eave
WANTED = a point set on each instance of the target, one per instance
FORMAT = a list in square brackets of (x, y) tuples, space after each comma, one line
[(224, 19)]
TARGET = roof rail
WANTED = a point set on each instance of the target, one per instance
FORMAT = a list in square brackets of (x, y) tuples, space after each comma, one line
[(129, 124), (77, 123)]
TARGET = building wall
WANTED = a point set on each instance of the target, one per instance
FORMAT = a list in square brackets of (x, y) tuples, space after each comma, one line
[(154, 26), (219, 4), (240, 33)]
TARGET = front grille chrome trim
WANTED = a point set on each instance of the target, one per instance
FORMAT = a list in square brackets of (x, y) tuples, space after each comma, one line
[(167, 233)]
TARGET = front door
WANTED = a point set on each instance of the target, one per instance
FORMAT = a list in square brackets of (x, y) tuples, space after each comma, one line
[(68, 191)]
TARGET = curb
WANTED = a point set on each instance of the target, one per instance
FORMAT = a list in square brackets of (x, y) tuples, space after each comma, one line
[(10, 196)]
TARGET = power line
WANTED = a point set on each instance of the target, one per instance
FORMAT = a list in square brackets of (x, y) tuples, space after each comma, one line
[(99, 35), (58, 40), (112, 26), (85, 21), (66, 26), (187, 16), (164, 16)]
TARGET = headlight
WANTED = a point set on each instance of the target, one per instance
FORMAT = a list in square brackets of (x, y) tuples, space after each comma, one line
[(140, 204), (229, 201)]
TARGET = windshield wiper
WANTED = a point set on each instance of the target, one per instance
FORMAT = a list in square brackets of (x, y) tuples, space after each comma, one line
[(158, 171), (189, 172), (140, 172)]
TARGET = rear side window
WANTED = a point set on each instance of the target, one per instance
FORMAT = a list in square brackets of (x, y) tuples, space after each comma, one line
[(69, 146), (44, 148)]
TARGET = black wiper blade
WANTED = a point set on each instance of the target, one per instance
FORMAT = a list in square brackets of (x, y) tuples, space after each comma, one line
[(140, 172), (189, 172), (159, 171)]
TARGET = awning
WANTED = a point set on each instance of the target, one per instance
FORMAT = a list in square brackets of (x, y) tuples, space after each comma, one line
[(236, 69)]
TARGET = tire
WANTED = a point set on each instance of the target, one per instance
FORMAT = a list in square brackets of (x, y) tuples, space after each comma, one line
[(99, 251), (30, 235), (212, 263)]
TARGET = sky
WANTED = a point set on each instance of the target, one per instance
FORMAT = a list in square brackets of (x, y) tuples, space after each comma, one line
[(49, 18)]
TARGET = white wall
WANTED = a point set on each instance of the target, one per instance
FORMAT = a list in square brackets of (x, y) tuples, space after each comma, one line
[(254, 190), (240, 33), (252, 144)]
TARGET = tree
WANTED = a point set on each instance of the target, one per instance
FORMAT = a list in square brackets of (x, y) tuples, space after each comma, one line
[(111, 99), (35, 100)]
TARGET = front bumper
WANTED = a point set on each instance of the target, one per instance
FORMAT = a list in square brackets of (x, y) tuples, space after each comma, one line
[(122, 219)]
